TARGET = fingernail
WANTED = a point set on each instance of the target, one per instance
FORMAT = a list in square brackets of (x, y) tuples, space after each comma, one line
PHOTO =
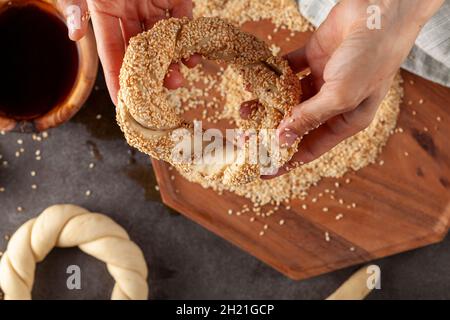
[(287, 138)]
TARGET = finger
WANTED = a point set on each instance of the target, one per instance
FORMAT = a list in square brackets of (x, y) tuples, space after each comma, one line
[(174, 79), (130, 28), (332, 99), (182, 8), (330, 134), (248, 107), (335, 131), (76, 15), (192, 61), (151, 21), (297, 60), (111, 49)]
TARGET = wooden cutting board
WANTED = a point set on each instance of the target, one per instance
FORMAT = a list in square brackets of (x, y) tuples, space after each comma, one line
[(400, 205)]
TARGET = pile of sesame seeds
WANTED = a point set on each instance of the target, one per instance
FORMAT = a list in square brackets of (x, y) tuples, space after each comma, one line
[(352, 154)]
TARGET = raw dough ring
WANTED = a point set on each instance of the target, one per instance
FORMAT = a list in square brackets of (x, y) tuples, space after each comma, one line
[(146, 116), (67, 226)]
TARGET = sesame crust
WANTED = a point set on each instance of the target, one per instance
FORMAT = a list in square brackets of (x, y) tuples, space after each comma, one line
[(149, 121)]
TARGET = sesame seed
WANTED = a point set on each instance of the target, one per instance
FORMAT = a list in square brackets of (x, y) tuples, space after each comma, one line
[(261, 233), (19, 209), (33, 186), (88, 193), (2, 189), (20, 141), (339, 216), (157, 188), (281, 222), (33, 173)]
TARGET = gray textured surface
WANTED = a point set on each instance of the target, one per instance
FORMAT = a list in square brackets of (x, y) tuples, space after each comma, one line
[(185, 261)]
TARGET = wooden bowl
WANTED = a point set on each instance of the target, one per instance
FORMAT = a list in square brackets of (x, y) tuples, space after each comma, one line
[(86, 75)]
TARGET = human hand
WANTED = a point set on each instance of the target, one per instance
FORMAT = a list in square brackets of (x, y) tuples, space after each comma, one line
[(116, 21), (352, 68)]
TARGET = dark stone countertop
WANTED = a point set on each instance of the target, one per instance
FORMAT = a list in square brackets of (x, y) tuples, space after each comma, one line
[(185, 260)]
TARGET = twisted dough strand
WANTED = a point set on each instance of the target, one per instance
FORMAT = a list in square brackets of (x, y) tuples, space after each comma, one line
[(66, 226)]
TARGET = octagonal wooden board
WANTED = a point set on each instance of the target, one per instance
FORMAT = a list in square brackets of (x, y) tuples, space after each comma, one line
[(400, 205)]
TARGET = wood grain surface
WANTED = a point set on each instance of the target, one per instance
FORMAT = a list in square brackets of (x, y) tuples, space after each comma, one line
[(400, 205)]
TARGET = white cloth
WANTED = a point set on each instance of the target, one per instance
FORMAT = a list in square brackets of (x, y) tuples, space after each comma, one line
[(430, 57)]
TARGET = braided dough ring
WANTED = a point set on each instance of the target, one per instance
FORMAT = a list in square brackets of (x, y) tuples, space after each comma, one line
[(69, 226), (150, 123)]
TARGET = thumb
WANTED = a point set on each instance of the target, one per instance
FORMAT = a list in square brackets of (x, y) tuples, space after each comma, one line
[(77, 17), (309, 115)]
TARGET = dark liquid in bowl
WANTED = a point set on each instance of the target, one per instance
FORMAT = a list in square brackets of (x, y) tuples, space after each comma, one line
[(38, 62)]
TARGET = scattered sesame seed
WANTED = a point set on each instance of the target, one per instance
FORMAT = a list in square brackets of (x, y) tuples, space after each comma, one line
[(157, 188), (281, 222), (19, 209), (352, 248), (325, 209), (20, 141), (88, 193), (438, 119), (327, 236), (2, 189), (91, 165), (339, 216), (33, 186), (406, 153), (421, 101), (33, 173), (98, 117), (261, 233)]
